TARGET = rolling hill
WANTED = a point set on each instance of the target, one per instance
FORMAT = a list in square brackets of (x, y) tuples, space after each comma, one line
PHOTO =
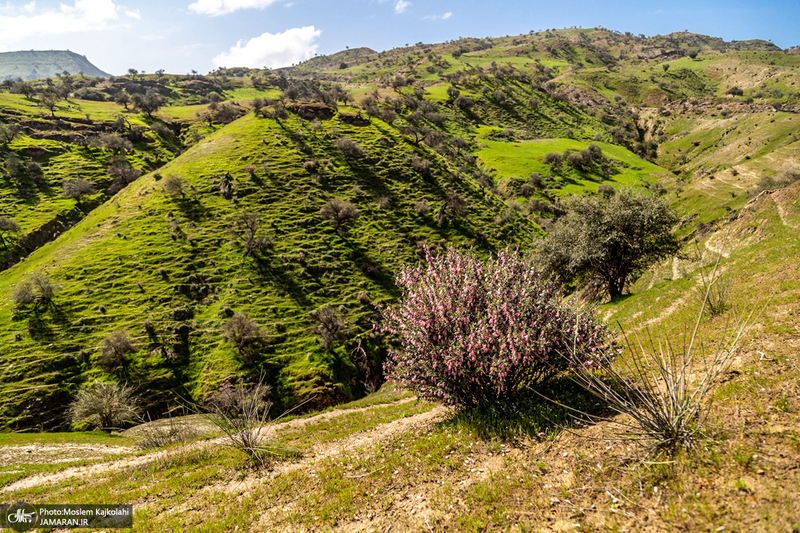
[(241, 172)]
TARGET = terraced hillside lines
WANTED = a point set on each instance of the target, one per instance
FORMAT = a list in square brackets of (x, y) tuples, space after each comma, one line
[(166, 269), (349, 165), (45, 153)]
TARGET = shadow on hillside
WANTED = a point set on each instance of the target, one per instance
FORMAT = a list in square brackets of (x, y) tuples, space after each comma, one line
[(192, 209), (280, 276)]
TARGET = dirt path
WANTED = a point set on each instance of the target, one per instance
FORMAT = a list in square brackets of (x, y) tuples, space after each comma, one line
[(57, 453), (722, 249), (110, 466), (360, 440), (782, 214)]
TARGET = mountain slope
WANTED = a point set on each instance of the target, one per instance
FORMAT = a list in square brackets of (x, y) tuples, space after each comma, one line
[(473, 142), (39, 64), (166, 270)]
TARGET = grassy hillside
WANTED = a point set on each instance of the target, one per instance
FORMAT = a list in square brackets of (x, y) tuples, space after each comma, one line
[(432, 144), (166, 270)]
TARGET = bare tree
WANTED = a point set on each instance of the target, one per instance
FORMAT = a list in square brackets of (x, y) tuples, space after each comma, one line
[(174, 186), (7, 228), (38, 290), (330, 325), (248, 228), (340, 214), (244, 333), (77, 188), (108, 405), (116, 347)]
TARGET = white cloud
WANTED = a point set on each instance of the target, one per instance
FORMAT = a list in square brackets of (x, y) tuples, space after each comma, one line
[(272, 50), (444, 16), (134, 14), (222, 7), (83, 15), (401, 6)]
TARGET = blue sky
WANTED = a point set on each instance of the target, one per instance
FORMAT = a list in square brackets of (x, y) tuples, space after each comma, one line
[(183, 35)]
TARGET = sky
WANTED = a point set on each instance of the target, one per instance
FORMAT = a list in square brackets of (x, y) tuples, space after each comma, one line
[(180, 36)]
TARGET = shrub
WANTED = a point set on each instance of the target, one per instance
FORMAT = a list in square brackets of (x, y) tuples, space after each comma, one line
[(116, 347), (553, 159), (473, 333), (38, 289), (340, 213), (363, 298), (160, 434), (244, 333), (606, 190), (527, 190), (90, 94), (107, 405), (311, 166), (422, 208), (241, 413), (664, 386), (8, 227), (329, 325), (174, 186), (349, 148)]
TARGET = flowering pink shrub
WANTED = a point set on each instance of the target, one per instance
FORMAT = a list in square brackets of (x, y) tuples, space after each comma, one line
[(472, 333)]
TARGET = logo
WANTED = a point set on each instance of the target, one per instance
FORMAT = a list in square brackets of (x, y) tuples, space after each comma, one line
[(22, 516)]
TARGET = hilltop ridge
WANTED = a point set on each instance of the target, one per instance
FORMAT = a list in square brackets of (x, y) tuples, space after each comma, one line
[(39, 64)]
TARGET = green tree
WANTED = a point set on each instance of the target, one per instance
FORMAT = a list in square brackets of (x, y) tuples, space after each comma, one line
[(8, 132), (122, 98), (610, 240), (149, 103)]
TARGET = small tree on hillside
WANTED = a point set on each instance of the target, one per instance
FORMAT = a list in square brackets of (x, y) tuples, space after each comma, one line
[(610, 239), (248, 228), (329, 325), (340, 213), (50, 101), (349, 148), (38, 290), (107, 405), (122, 98), (24, 88), (149, 103), (116, 347), (7, 228), (109, 141), (77, 188), (244, 333), (8, 132), (175, 186)]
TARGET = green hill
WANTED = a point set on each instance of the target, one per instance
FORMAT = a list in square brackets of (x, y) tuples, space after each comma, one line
[(432, 144), (40, 64)]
